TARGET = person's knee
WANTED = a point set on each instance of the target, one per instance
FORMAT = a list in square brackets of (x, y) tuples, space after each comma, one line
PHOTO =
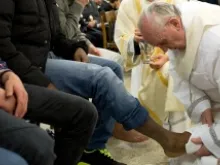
[(10, 158), (118, 70), (40, 147), (16, 160), (107, 75)]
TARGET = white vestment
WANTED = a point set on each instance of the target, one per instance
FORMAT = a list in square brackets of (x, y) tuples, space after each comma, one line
[(199, 89), (152, 87)]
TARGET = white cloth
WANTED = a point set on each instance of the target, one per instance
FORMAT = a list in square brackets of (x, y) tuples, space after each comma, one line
[(211, 139), (204, 81), (207, 137), (196, 132)]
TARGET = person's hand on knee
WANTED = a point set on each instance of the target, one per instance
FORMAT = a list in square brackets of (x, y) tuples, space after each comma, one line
[(14, 88), (7, 104), (81, 56), (93, 50)]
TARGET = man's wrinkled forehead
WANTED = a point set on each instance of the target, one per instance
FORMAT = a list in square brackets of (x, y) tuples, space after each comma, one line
[(149, 32)]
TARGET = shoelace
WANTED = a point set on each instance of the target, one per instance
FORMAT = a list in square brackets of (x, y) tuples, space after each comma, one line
[(106, 153)]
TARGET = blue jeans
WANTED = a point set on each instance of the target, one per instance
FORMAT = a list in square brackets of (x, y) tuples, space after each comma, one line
[(10, 158), (98, 80)]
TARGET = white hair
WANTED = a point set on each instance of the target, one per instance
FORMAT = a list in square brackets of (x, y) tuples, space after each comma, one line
[(158, 13)]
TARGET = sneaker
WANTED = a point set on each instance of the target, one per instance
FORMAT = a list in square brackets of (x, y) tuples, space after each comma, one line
[(98, 157)]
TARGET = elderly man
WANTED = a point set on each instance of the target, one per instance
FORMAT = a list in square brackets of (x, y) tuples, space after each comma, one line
[(192, 32), (155, 91), (69, 14)]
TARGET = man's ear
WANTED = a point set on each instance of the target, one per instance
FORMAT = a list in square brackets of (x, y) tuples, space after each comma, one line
[(175, 23)]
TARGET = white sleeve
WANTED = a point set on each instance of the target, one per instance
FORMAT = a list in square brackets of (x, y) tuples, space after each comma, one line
[(215, 71), (194, 100), (211, 139)]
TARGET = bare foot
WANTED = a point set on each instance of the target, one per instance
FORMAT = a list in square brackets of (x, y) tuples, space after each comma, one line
[(172, 143), (130, 136), (175, 146)]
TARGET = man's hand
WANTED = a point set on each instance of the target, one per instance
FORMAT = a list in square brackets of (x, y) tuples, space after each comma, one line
[(51, 86), (14, 87), (207, 117), (138, 36), (117, 4), (81, 56), (7, 104), (82, 2), (91, 23), (203, 151), (158, 61), (93, 50)]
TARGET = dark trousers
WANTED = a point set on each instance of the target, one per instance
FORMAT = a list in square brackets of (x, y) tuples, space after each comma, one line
[(74, 117), (95, 37)]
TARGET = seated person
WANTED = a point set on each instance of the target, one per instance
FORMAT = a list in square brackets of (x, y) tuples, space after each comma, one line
[(92, 34), (70, 28), (98, 4), (10, 158), (67, 112), (90, 24)]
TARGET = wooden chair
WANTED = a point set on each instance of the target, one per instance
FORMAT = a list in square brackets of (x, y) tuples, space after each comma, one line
[(107, 25)]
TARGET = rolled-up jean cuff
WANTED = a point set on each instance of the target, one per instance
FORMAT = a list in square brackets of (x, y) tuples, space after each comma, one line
[(137, 119)]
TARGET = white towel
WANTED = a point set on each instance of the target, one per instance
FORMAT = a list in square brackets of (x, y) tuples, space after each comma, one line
[(191, 148)]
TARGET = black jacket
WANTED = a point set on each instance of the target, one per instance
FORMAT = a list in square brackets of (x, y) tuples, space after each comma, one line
[(29, 29), (106, 6), (91, 10)]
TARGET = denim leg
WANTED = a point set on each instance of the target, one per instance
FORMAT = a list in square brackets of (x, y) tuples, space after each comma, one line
[(104, 127), (116, 68), (10, 158), (102, 85)]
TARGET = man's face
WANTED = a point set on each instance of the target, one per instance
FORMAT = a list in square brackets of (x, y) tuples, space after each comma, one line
[(172, 36)]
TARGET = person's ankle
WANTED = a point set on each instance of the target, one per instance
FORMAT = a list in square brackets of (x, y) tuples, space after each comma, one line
[(175, 145)]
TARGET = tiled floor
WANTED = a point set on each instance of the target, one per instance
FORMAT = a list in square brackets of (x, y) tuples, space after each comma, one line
[(146, 153)]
